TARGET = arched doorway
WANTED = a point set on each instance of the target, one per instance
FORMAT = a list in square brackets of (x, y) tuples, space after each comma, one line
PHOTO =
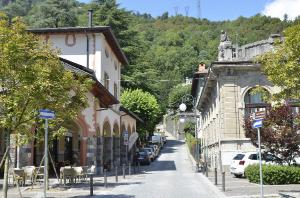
[(107, 146), (116, 143), (64, 150)]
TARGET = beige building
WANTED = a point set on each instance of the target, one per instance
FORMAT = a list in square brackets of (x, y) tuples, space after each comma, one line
[(224, 99)]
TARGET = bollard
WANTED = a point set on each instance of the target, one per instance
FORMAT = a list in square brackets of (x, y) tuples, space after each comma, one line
[(216, 177), (129, 169), (91, 185), (206, 170), (123, 171), (105, 178), (197, 167), (223, 181), (139, 166), (116, 174)]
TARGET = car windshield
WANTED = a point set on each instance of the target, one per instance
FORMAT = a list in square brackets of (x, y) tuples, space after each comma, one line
[(238, 157)]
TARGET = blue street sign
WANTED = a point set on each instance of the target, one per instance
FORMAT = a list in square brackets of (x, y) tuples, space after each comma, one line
[(47, 114), (257, 123)]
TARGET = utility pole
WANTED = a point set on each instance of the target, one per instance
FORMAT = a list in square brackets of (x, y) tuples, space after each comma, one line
[(176, 10), (187, 8), (199, 9)]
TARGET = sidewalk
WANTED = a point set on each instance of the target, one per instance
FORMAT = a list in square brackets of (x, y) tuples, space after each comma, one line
[(242, 188), (78, 190)]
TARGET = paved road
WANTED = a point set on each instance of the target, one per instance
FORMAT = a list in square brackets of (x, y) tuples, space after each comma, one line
[(170, 176)]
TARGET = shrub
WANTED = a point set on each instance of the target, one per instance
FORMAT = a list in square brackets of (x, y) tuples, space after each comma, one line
[(274, 174)]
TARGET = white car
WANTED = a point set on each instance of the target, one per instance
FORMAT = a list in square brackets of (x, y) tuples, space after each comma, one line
[(241, 161)]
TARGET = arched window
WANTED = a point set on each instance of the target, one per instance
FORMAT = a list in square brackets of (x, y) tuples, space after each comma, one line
[(106, 129), (254, 101), (116, 130)]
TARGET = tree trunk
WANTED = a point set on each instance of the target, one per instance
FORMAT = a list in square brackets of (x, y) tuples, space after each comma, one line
[(5, 181), (6, 165)]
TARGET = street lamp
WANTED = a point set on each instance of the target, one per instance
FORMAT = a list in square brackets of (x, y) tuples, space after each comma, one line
[(182, 107)]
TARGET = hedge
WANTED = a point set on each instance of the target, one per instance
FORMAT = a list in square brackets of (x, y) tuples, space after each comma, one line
[(274, 174)]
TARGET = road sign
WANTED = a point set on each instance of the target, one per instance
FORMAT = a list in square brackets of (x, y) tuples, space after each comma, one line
[(259, 115), (125, 135), (257, 124), (47, 114)]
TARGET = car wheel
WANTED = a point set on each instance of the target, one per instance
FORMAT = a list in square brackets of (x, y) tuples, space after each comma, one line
[(237, 175)]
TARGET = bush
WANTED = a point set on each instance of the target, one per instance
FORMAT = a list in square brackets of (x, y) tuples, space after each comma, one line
[(274, 174)]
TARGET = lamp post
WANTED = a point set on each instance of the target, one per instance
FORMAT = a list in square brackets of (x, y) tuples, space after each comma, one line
[(182, 108)]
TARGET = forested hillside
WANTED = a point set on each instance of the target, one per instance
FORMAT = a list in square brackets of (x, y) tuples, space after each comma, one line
[(162, 51)]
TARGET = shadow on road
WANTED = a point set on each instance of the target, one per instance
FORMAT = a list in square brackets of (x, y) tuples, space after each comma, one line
[(162, 166), (169, 146), (107, 196)]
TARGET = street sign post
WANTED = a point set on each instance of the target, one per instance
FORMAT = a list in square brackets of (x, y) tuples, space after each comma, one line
[(259, 115), (46, 114), (258, 124), (125, 135)]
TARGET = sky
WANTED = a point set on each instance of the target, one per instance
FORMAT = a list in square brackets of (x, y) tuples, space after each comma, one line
[(214, 10)]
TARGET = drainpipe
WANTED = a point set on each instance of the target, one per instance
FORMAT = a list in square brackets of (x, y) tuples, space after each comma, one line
[(90, 25)]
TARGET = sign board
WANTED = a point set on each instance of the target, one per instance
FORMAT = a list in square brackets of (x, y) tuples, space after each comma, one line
[(46, 114), (125, 135), (132, 139), (259, 115), (257, 124)]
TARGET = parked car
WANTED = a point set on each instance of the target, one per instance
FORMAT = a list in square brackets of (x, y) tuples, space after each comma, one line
[(151, 151), (144, 157), (241, 161), (155, 148)]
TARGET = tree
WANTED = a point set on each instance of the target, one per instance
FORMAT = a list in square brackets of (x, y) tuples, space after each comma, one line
[(281, 66), (32, 78), (53, 14), (176, 95), (145, 106), (279, 135)]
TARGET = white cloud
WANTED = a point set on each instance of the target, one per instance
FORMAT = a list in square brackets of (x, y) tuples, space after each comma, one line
[(277, 8)]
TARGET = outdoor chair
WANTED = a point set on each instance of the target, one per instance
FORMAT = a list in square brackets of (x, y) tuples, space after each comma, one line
[(84, 172), (29, 174), (78, 173), (19, 176), (67, 173), (39, 175)]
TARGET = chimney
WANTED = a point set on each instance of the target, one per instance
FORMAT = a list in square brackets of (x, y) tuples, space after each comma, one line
[(201, 67), (90, 18)]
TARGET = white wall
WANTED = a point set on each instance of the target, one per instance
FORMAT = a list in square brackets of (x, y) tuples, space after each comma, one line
[(98, 61)]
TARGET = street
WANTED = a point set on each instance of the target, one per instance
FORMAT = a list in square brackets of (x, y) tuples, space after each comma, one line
[(170, 175)]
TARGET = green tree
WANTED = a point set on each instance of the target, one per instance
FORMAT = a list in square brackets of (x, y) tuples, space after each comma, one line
[(53, 14), (176, 95), (145, 106), (281, 65), (32, 78)]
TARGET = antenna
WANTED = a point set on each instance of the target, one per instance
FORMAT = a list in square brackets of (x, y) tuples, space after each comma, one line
[(187, 8), (176, 10), (199, 9)]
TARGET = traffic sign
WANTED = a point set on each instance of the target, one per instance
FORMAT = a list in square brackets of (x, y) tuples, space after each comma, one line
[(259, 115), (47, 114), (125, 135), (257, 124)]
